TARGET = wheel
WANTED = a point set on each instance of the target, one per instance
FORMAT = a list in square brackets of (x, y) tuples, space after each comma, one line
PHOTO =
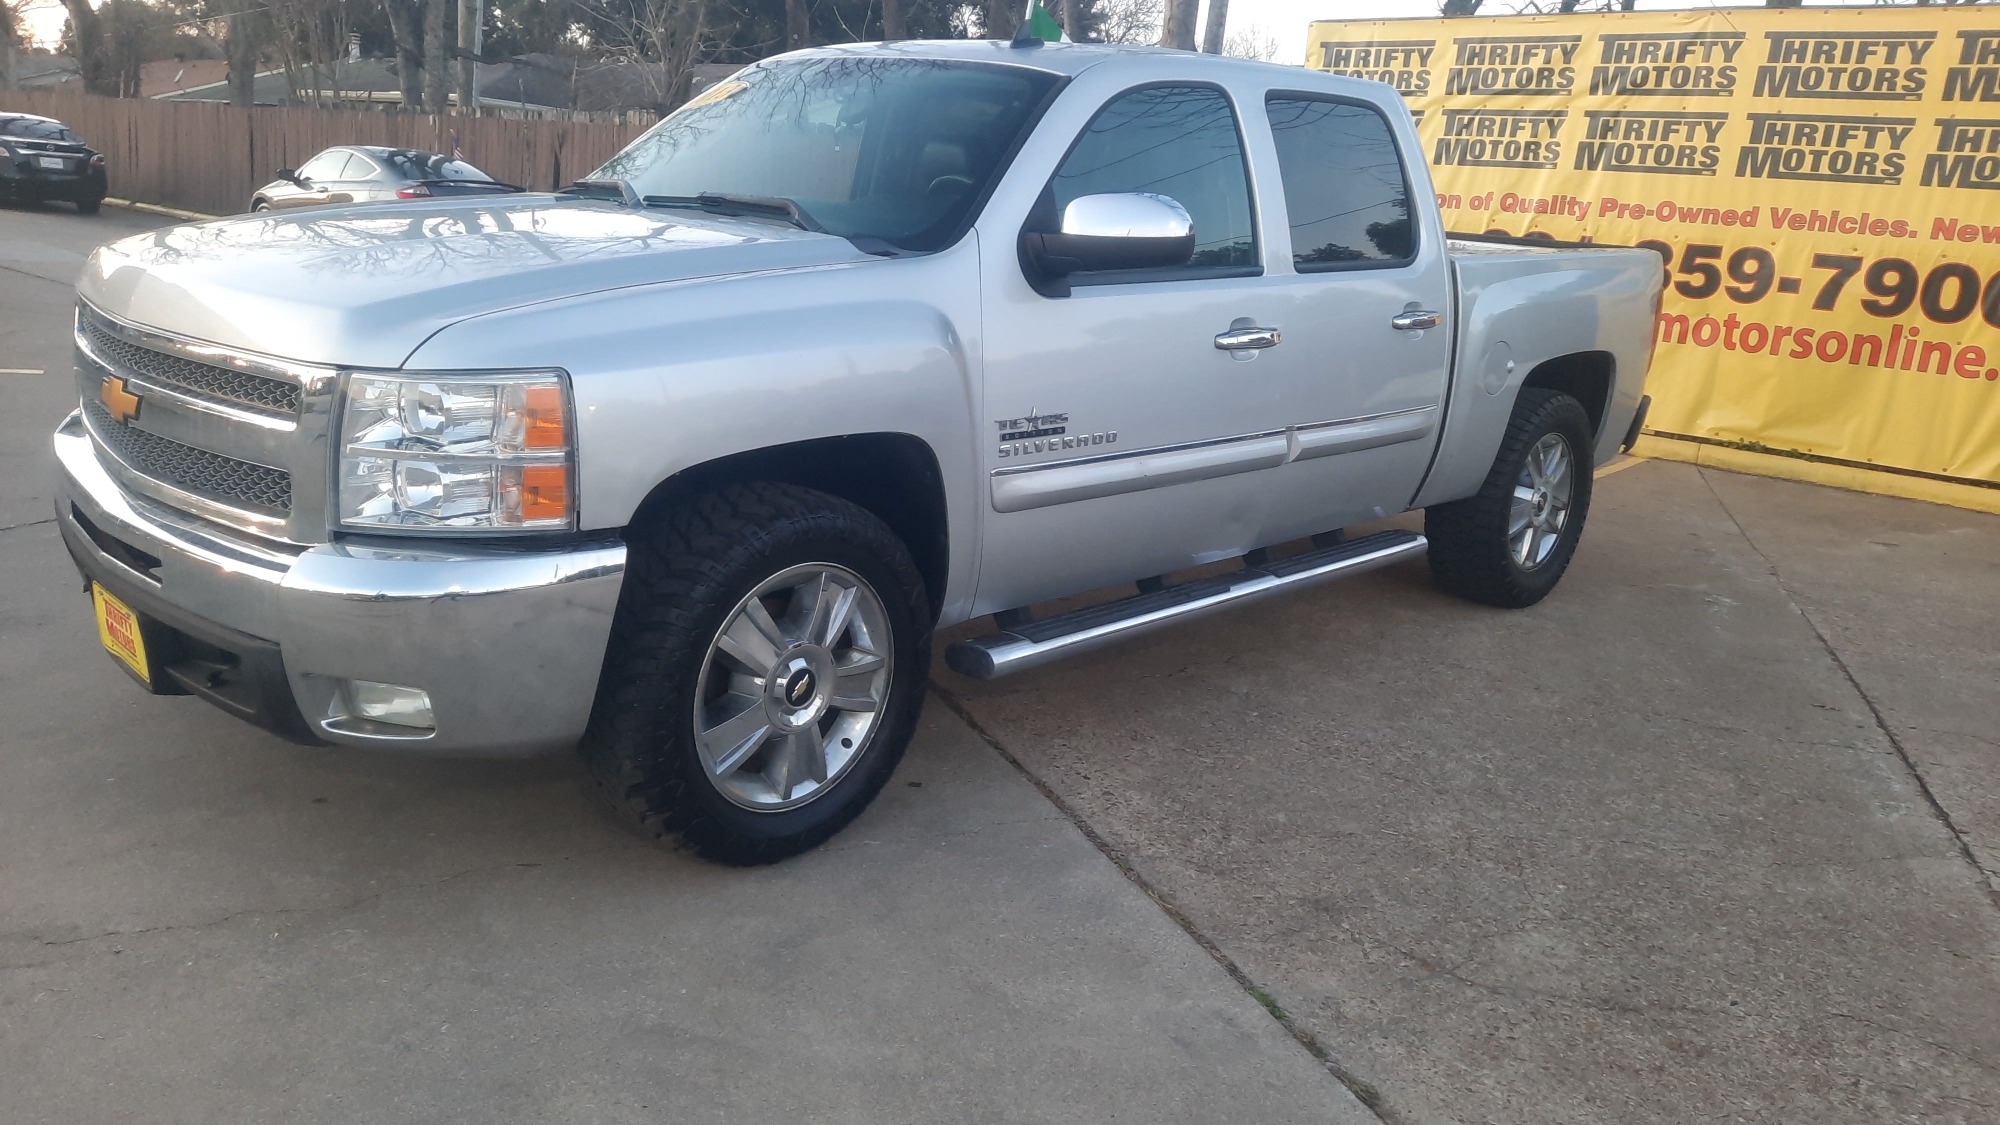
[(260, 205), (1509, 544), (90, 205), (766, 669)]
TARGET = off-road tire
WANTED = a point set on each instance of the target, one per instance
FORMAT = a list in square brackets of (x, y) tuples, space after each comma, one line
[(1469, 553), (684, 575)]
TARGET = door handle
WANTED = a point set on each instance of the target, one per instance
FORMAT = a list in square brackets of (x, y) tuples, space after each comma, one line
[(1238, 339), (1415, 320)]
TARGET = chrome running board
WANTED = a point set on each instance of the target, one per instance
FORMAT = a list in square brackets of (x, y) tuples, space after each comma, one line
[(1033, 643)]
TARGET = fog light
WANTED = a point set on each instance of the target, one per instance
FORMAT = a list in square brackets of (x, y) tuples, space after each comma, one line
[(390, 703)]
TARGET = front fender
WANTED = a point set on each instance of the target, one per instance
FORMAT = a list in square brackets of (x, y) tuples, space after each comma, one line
[(668, 377)]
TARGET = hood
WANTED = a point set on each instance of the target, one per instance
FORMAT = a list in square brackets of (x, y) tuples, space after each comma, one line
[(363, 286)]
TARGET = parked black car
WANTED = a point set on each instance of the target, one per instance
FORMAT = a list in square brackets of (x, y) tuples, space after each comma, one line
[(368, 174), (41, 159)]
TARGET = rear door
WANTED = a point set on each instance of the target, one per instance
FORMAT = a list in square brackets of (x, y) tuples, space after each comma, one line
[(1365, 317)]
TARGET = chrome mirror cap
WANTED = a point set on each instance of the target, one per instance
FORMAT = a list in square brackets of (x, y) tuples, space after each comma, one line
[(1133, 214)]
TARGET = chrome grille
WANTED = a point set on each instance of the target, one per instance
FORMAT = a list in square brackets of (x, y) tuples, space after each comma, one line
[(224, 480), (203, 381)]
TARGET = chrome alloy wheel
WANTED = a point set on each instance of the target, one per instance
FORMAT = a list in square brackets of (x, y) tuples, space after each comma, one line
[(1541, 501), (793, 686)]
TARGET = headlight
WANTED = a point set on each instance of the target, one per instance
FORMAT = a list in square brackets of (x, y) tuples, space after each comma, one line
[(457, 453)]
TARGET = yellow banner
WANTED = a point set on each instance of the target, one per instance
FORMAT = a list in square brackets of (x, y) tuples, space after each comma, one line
[(1824, 184)]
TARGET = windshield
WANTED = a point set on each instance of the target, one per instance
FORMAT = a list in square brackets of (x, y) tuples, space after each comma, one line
[(872, 148)]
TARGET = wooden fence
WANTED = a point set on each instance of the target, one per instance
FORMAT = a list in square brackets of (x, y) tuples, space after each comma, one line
[(209, 157)]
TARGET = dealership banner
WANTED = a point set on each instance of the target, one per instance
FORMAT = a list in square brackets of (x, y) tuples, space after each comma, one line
[(1822, 183)]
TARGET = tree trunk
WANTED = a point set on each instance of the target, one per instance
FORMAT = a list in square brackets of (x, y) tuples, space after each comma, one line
[(437, 60), (1460, 7), (892, 19), (1211, 36), (468, 45), (1177, 31), (406, 24), (123, 36), (241, 49), (93, 55), (1003, 18), (798, 25)]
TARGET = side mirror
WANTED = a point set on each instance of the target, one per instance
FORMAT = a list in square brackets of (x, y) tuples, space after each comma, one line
[(1127, 231), (291, 176)]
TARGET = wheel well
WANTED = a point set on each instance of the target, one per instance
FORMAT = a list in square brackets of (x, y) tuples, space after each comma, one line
[(894, 476), (1584, 376)]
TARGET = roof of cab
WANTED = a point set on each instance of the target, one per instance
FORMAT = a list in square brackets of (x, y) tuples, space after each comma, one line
[(1057, 58)]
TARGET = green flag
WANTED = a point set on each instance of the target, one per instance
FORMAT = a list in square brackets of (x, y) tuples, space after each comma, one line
[(1044, 25)]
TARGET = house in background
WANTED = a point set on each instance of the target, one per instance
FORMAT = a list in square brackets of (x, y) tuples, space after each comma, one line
[(35, 70)]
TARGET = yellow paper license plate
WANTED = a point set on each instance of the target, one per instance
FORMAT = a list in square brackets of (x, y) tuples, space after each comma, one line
[(118, 628)]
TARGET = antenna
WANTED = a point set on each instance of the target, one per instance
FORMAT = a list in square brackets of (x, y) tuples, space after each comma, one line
[(1025, 38)]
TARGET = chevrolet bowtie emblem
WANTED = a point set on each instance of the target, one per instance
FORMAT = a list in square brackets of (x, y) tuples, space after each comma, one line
[(121, 402)]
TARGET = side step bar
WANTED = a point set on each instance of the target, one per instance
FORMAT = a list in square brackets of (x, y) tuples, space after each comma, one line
[(1034, 643)]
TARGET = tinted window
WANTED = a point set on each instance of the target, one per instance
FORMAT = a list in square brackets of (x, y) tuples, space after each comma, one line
[(325, 166), (1178, 141), (413, 165), (1344, 188), (35, 128), (896, 149)]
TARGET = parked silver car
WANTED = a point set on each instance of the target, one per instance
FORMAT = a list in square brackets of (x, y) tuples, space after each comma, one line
[(369, 174)]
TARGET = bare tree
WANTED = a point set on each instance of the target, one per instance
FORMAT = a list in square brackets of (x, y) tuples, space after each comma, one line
[(93, 52), (1177, 30), (240, 47), (435, 81), (1251, 43), (406, 24), (1211, 36), (662, 38), (1003, 18), (1130, 21), (798, 25)]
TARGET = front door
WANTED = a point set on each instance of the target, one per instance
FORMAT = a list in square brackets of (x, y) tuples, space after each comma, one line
[(1118, 440)]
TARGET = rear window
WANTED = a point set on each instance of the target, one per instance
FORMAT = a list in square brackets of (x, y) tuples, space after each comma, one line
[(412, 165), (36, 129), (1345, 194)]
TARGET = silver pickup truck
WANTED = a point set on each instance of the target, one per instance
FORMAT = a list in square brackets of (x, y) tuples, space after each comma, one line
[(684, 466)]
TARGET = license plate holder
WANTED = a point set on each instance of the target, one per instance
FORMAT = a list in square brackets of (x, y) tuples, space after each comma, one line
[(122, 632), (55, 162)]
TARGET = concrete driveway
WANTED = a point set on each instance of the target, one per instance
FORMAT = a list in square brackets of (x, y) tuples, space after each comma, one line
[(200, 923), (1699, 838)]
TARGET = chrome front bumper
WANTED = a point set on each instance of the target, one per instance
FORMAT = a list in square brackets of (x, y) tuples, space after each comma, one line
[(508, 642)]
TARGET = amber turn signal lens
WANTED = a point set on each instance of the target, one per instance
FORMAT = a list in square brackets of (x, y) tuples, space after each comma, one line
[(544, 492), (544, 427)]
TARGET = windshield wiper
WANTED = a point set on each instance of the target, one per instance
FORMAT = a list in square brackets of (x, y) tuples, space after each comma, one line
[(725, 203), (621, 190)]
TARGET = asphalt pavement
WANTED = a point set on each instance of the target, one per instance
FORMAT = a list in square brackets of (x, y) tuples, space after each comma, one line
[(1709, 835)]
